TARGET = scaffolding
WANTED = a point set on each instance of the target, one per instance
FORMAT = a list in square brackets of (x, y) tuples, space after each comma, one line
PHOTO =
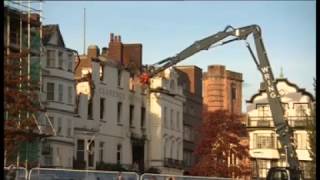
[(23, 46)]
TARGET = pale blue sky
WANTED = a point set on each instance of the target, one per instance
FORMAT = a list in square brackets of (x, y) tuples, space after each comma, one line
[(165, 28)]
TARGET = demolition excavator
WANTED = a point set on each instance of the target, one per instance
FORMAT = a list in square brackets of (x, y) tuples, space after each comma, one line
[(285, 135)]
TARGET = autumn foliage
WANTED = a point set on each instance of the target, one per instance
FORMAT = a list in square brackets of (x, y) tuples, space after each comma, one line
[(20, 104), (220, 134)]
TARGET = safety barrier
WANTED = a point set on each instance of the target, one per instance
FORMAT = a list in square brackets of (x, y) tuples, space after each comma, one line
[(148, 176), (70, 174), (15, 173)]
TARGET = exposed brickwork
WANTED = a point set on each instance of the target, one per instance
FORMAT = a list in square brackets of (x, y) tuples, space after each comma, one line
[(218, 93), (193, 78), (130, 55)]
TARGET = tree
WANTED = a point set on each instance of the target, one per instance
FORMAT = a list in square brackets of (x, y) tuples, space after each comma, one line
[(220, 134), (20, 106)]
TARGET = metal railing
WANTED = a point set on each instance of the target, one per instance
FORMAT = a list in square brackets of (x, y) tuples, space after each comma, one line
[(148, 176), (71, 174), (15, 173), (68, 174), (267, 121)]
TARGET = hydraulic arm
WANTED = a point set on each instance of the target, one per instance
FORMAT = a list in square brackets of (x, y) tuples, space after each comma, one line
[(263, 65)]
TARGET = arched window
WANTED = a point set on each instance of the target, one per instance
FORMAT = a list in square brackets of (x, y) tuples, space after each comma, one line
[(178, 150), (172, 149), (119, 148)]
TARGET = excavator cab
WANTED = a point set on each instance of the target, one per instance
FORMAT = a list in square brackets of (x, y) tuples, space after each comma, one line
[(283, 173)]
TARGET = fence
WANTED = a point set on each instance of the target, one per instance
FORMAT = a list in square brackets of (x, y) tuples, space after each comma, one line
[(15, 173), (70, 174), (148, 176)]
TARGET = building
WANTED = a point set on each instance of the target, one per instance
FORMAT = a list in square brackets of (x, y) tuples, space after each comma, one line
[(112, 108), (111, 126), (190, 78), (165, 122), (265, 149), (58, 97), (222, 89)]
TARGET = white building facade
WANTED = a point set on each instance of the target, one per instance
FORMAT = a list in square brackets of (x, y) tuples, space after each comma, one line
[(265, 149), (111, 126), (166, 124), (58, 98)]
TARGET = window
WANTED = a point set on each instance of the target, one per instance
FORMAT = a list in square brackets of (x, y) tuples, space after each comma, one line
[(264, 140), (102, 100), (187, 156), (300, 109), (60, 60), (119, 112), (300, 140), (172, 86), (101, 72), (165, 147), (187, 133), (70, 60), (178, 151), (165, 116), (60, 93), (119, 77), (59, 128), (143, 114), (172, 149), (178, 120), (90, 109), (101, 146), (91, 153), (50, 91), (80, 150), (171, 119), (131, 115), (263, 167), (263, 110), (70, 94), (233, 92), (51, 119), (69, 128), (285, 107), (51, 58), (119, 147)]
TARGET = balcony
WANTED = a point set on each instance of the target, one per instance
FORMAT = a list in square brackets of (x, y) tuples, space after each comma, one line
[(173, 163), (267, 121)]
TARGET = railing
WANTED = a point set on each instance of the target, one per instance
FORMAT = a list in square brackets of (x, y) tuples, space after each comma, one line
[(173, 163), (68, 174), (267, 121), (148, 176)]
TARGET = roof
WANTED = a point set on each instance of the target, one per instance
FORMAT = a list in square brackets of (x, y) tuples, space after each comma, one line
[(300, 90), (48, 31)]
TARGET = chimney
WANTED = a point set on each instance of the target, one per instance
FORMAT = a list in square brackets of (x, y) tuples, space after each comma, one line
[(93, 51), (115, 48), (111, 37), (104, 51)]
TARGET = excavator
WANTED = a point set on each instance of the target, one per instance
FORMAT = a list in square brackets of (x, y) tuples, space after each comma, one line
[(285, 135)]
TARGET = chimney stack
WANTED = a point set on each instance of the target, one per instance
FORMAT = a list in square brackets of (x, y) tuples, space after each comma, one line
[(93, 51), (111, 37)]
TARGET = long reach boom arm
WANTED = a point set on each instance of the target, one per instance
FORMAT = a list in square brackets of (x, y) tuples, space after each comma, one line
[(281, 126)]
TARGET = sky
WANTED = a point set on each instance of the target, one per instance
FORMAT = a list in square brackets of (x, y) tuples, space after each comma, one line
[(165, 28)]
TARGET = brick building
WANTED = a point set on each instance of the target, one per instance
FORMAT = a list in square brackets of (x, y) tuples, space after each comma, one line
[(128, 56), (190, 78), (222, 89)]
